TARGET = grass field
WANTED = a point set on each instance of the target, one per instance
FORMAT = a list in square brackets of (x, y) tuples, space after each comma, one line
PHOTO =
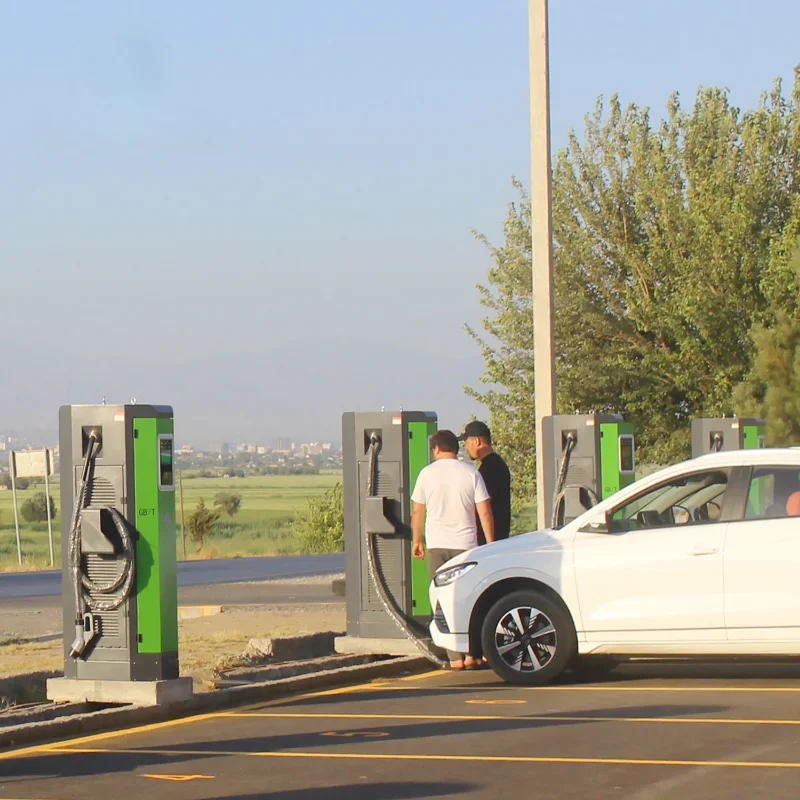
[(263, 526)]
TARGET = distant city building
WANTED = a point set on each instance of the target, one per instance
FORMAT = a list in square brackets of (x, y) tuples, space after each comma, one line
[(282, 444), (225, 449)]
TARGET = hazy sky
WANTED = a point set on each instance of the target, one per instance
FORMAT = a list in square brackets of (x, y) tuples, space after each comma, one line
[(183, 180)]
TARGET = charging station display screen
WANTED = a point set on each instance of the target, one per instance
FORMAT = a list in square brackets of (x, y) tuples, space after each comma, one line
[(166, 475), (626, 464)]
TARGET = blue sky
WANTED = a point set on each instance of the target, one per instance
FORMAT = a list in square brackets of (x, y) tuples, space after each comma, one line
[(194, 179)]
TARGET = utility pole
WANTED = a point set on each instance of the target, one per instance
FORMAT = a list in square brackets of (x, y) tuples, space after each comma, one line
[(183, 523), (542, 235)]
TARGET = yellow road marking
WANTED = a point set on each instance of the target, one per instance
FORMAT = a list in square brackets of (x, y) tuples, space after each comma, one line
[(340, 690), (609, 688), (100, 737), (178, 777), (497, 702), (186, 720), (526, 717), (352, 734), (425, 676), (658, 762)]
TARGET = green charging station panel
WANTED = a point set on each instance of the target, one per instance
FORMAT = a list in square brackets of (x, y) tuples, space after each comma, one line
[(617, 465), (419, 456)]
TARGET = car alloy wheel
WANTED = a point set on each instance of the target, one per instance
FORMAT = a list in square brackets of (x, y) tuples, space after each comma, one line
[(526, 639)]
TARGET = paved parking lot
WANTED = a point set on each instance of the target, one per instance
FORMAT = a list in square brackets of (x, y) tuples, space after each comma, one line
[(643, 732)]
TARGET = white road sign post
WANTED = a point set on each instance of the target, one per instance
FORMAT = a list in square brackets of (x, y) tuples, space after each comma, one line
[(12, 470), (32, 464)]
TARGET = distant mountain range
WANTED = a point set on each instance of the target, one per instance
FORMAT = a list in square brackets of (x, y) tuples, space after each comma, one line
[(298, 390)]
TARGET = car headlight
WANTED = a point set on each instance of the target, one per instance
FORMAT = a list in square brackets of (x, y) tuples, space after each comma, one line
[(453, 574)]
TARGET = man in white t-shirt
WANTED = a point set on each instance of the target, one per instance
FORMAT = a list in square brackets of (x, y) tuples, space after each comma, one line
[(447, 497)]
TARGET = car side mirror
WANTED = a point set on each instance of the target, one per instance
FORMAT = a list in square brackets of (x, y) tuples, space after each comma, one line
[(597, 523)]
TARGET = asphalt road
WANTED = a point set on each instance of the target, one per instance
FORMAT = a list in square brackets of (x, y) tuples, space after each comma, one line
[(190, 573), (645, 733)]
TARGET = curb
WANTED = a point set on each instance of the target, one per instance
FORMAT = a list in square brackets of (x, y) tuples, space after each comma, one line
[(247, 676), (115, 718), (291, 648)]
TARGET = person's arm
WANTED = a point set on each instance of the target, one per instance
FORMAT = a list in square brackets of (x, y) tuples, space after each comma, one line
[(418, 530), (487, 519), (483, 505), (418, 499)]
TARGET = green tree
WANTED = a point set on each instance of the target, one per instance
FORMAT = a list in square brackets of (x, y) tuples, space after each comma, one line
[(228, 502), (201, 523), (662, 238), (321, 528), (773, 392), (772, 389), (34, 509)]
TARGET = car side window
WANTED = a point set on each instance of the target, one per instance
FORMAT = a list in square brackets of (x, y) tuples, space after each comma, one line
[(774, 493), (688, 500)]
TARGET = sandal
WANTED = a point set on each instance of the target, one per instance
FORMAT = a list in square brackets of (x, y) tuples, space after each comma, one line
[(455, 665)]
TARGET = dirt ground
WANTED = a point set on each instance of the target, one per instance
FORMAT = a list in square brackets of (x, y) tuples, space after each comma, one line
[(206, 643)]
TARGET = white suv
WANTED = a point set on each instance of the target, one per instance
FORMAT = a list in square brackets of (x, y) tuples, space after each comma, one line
[(698, 559)]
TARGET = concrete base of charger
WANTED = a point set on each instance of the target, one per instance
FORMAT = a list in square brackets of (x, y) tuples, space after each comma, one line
[(136, 693)]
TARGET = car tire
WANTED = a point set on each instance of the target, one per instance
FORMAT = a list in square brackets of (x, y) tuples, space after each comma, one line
[(539, 652)]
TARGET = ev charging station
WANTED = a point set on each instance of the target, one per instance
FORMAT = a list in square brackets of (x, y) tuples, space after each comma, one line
[(727, 433), (120, 595), (587, 459), (386, 588)]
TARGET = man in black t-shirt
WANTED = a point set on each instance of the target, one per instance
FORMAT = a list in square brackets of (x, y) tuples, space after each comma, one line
[(477, 440)]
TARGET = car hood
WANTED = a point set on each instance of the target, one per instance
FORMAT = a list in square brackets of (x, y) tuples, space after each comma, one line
[(523, 543)]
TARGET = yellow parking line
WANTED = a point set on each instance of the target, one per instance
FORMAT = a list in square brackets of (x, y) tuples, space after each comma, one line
[(99, 737), (424, 676), (372, 686), (610, 688), (523, 718), (658, 762)]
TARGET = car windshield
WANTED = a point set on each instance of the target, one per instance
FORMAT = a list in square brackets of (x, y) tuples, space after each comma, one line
[(691, 498)]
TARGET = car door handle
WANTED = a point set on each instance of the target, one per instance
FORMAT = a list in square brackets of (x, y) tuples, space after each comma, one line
[(704, 551)]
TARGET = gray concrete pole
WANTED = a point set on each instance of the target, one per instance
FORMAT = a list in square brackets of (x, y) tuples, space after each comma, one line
[(542, 235)]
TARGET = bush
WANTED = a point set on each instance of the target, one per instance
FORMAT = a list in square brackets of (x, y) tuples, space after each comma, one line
[(21, 483), (321, 528), (201, 523), (229, 502), (35, 508)]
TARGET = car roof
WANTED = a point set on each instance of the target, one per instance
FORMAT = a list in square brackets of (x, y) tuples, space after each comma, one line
[(772, 456)]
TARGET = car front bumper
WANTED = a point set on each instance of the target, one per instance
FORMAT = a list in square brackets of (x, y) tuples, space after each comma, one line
[(450, 624)]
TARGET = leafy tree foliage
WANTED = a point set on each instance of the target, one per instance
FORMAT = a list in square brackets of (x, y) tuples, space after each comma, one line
[(201, 523), (321, 528), (772, 390), (228, 502), (34, 509), (663, 237)]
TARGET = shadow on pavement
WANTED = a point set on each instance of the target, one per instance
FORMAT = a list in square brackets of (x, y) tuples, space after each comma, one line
[(363, 791)]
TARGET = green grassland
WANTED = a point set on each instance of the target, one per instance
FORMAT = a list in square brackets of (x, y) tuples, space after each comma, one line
[(263, 526)]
